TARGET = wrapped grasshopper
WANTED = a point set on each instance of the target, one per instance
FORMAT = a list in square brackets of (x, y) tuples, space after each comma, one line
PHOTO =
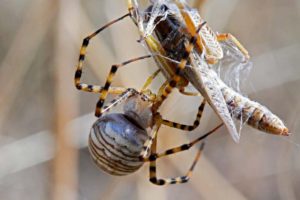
[(186, 47)]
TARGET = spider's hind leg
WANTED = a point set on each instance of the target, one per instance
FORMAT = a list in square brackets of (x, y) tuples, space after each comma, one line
[(154, 156), (180, 179), (187, 127)]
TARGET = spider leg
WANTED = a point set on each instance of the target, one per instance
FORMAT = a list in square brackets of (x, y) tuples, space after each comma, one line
[(149, 80), (104, 92), (83, 86), (182, 91), (149, 142), (182, 126), (184, 147), (162, 87), (180, 179), (125, 95), (228, 36), (180, 148), (160, 121), (176, 78), (187, 127), (176, 180)]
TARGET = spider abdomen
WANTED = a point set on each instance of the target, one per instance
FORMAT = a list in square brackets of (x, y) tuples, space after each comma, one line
[(115, 144)]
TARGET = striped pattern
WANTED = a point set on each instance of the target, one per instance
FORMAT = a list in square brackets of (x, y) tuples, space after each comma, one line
[(108, 82), (149, 143), (176, 78), (188, 127), (181, 179), (83, 86), (113, 151), (176, 180), (95, 88), (187, 146), (213, 50)]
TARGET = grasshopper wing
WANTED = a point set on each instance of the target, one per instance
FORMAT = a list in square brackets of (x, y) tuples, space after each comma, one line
[(207, 82)]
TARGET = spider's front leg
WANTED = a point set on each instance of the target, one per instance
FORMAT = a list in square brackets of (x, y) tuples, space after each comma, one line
[(77, 79), (166, 181), (104, 92)]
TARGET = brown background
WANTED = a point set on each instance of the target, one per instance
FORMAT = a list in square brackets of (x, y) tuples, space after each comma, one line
[(43, 117)]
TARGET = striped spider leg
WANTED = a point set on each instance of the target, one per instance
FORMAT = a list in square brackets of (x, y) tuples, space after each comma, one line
[(180, 179), (96, 88), (87, 87)]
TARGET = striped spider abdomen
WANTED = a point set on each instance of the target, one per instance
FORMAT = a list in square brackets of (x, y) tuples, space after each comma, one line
[(116, 142)]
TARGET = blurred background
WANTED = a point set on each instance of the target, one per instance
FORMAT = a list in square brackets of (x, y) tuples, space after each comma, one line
[(45, 121)]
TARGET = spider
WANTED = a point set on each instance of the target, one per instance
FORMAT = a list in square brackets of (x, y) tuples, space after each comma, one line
[(120, 144), (183, 47)]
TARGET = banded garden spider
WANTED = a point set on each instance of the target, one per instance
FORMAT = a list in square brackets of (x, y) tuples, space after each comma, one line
[(119, 143)]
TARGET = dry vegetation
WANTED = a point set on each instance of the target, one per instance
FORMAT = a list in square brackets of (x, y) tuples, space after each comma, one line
[(44, 121)]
